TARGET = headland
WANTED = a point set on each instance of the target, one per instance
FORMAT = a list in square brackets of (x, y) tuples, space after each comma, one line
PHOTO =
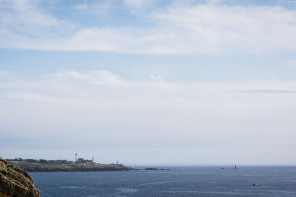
[(42, 165)]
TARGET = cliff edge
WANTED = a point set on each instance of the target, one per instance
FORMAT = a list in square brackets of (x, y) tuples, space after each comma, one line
[(49, 166), (14, 182)]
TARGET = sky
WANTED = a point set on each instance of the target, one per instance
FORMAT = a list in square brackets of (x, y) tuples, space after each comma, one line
[(166, 82)]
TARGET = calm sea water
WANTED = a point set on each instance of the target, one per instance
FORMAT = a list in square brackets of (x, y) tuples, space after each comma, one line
[(179, 181)]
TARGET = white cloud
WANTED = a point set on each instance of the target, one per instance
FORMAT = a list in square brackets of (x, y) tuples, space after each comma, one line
[(81, 7), (291, 63), (95, 109), (139, 4), (203, 29), (157, 88), (219, 29), (93, 77), (177, 29), (100, 8), (135, 3), (25, 21), (214, 1), (156, 77), (4, 74), (27, 96), (25, 14)]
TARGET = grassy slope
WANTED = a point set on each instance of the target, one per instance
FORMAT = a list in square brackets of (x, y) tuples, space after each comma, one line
[(66, 167)]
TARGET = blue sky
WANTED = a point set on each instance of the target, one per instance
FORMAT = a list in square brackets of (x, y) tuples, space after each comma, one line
[(149, 82)]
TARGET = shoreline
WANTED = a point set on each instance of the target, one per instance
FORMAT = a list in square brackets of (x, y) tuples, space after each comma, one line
[(68, 167)]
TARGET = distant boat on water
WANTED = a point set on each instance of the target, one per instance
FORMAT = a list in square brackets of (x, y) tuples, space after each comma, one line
[(235, 167)]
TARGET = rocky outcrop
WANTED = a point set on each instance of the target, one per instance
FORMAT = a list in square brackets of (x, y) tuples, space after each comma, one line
[(67, 167), (14, 182)]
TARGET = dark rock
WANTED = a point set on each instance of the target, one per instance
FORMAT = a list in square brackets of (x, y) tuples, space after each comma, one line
[(151, 169), (155, 169), (14, 182)]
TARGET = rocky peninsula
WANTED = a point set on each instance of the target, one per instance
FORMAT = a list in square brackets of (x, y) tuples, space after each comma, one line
[(14, 182), (31, 165)]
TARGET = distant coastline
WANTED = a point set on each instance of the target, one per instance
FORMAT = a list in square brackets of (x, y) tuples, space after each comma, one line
[(42, 165)]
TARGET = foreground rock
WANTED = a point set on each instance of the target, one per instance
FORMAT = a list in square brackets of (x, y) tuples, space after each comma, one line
[(14, 182)]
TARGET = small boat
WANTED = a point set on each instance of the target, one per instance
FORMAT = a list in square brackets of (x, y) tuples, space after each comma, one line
[(235, 167)]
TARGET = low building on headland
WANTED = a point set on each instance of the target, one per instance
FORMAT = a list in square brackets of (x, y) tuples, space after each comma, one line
[(84, 161)]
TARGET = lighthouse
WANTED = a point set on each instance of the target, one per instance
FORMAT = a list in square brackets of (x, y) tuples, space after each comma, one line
[(75, 158)]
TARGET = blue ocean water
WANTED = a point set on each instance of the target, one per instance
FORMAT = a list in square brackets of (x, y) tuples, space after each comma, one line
[(178, 181)]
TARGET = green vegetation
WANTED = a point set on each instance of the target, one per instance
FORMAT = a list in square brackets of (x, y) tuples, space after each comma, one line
[(47, 166)]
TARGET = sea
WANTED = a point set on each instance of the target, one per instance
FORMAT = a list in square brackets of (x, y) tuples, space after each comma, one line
[(173, 181)]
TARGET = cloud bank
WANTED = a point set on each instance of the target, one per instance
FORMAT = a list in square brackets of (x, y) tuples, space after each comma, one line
[(104, 113), (211, 29)]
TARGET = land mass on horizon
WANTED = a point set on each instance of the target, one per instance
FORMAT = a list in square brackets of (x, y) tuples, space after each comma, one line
[(42, 165)]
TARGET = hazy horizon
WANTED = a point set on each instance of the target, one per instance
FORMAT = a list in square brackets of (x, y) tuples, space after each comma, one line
[(159, 82)]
